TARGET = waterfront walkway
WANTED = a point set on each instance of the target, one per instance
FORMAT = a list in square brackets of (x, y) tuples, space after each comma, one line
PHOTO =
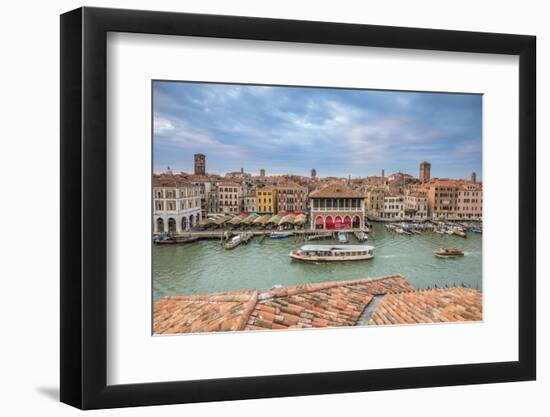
[(225, 233), (325, 304)]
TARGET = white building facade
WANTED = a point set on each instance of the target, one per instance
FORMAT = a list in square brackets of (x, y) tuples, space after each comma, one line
[(176, 204), (394, 207)]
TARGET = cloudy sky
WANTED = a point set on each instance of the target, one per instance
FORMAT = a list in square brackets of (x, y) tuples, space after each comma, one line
[(339, 132)]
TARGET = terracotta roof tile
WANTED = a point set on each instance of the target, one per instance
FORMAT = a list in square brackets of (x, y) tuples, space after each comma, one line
[(429, 306), (203, 313), (336, 191), (334, 303), (325, 304)]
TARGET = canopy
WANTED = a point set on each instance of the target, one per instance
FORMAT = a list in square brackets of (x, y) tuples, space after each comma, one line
[(249, 219), (289, 218), (206, 222), (301, 219), (275, 219), (222, 220), (262, 220), (236, 220)]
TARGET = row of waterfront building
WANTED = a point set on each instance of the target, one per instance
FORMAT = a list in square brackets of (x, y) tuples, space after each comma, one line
[(181, 201)]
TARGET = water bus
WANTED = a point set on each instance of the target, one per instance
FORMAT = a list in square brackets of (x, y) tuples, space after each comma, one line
[(333, 253)]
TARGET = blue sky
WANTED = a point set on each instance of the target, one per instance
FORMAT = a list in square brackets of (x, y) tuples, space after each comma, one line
[(339, 132)]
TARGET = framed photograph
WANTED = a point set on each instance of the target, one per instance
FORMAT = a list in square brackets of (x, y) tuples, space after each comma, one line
[(258, 207)]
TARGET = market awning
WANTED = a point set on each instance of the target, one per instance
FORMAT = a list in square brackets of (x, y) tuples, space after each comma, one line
[(289, 218)]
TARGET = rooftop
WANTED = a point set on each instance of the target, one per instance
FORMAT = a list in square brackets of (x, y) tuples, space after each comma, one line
[(325, 304), (336, 191), (167, 180), (429, 306)]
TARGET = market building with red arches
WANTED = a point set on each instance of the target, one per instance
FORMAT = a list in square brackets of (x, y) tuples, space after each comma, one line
[(337, 207)]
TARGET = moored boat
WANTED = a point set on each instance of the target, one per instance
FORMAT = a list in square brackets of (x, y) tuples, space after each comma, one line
[(459, 232), (233, 243), (165, 241), (318, 236), (280, 235), (343, 237), (448, 253), (333, 253)]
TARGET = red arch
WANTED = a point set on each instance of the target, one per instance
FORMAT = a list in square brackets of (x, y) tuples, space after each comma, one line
[(338, 222), (319, 220), (347, 222), (329, 223)]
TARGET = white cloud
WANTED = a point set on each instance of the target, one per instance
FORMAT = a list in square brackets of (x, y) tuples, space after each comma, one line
[(162, 125)]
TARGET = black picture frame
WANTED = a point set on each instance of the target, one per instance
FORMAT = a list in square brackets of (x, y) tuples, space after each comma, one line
[(84, 207)]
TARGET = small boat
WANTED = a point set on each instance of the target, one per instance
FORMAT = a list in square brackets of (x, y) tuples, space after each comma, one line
[(171, 240), (475, 230), (333, 253), (165, 241), (280, 235), (320, 236), (343, 237), (233, 243), (361, 236), (459, 233), (448, 253)]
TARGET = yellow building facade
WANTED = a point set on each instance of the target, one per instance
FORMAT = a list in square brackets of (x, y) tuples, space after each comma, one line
[(266, 200)]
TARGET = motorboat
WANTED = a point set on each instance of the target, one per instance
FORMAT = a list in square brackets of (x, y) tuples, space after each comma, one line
[(361, 236), (280, 235), (318, 236), (233, 243), (343, 237), (459, 232), (333, 253), (448, 253)]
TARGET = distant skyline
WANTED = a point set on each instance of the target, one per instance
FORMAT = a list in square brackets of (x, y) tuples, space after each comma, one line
[(339, 132)]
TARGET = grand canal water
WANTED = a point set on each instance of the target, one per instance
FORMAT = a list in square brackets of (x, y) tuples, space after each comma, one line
[(204, 266)]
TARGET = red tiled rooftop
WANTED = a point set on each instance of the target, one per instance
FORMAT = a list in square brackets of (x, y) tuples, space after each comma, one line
[(334, 303), (336, 191), (203, 313), (325, 304), (429, 306)]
